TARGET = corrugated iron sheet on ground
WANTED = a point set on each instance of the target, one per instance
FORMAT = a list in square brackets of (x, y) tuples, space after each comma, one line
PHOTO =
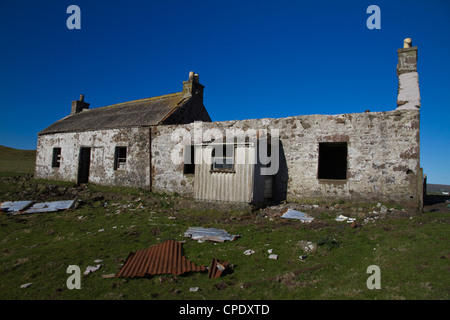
[(213, 234), (19, 207), (51, 206), (216, 268), (15, 206), (163, 258)]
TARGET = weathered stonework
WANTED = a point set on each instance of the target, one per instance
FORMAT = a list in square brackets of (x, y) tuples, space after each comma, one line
[(102, 144), (376, 143)]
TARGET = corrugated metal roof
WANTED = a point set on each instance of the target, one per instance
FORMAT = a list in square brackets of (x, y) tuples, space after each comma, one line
[(163, 258)]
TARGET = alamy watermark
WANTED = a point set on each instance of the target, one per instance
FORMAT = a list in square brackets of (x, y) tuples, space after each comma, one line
[(74, 20), (374, 281), (374, 21)]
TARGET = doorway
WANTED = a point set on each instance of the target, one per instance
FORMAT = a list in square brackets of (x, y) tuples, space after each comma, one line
[(83, 165)]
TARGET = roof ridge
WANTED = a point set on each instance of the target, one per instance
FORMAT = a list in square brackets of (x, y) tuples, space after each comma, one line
[(162, 97)]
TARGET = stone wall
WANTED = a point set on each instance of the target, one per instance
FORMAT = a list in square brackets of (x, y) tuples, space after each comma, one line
[(102, 144), (383, 155)]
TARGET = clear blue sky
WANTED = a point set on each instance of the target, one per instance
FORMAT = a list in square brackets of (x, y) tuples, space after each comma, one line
[(257, 59)]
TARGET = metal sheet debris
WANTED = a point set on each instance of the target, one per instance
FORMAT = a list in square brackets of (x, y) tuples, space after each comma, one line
[(51, 206), (217, 268), (28, 207), (294, 214), (212, 234), (163, 258), (15, 206)]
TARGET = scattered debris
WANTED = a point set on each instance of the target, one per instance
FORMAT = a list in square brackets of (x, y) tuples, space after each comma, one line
[(108, 276), (273, 257), (193, 289), (294, 214), (98, 261), (354, 225), (221, 286), (217, 268), (341, 218), (101, 230), (26, 285), (212, 234), (307, 246), (270, 251), (163, 258), (91, 269), (303, 257), (249, 252)]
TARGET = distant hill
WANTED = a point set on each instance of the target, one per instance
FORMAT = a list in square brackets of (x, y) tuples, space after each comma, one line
[(16, 162), (437, 188)]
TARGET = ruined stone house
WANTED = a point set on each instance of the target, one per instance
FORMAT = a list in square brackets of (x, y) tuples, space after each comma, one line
[(358, 157)]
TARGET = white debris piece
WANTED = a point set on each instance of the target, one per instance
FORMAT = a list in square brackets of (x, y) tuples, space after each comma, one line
[(193, 289), (270, 251), (341, 218), (90, 269), (273, 257), (26, 285), (249, 252)]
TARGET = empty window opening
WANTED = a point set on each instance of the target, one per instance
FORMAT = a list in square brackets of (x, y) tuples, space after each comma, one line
[(120, 158), (223, 158), (56, 159), (333, 161), (189, 159)]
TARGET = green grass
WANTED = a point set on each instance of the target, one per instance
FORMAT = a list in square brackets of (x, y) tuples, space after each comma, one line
[(14, 162), (38, 248)]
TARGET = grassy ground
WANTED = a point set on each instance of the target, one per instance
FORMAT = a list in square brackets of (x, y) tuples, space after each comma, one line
[(412, 251)]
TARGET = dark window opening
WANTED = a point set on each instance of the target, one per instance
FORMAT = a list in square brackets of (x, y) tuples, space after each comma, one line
[(223, 158), (56, 159), (120, 158), (333, 161), (189, 162)]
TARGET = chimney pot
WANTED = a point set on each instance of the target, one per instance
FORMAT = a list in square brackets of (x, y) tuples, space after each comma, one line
[(81, 97), (407, 43)]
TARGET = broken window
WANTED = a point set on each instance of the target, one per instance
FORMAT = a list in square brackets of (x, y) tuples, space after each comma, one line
[(120, 158), (333, 160), (223, 158), (56, 159), (189, 162)]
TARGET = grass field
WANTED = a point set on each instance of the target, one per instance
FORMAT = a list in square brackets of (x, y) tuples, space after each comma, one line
[(412, 251), (16, 162)]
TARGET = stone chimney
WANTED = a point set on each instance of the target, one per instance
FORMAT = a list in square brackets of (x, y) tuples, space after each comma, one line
[(192, 86), (79, 105), (408, 97)]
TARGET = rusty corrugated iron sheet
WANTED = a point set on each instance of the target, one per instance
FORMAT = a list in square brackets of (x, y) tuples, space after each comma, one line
[(163, 258), (216, 268)]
